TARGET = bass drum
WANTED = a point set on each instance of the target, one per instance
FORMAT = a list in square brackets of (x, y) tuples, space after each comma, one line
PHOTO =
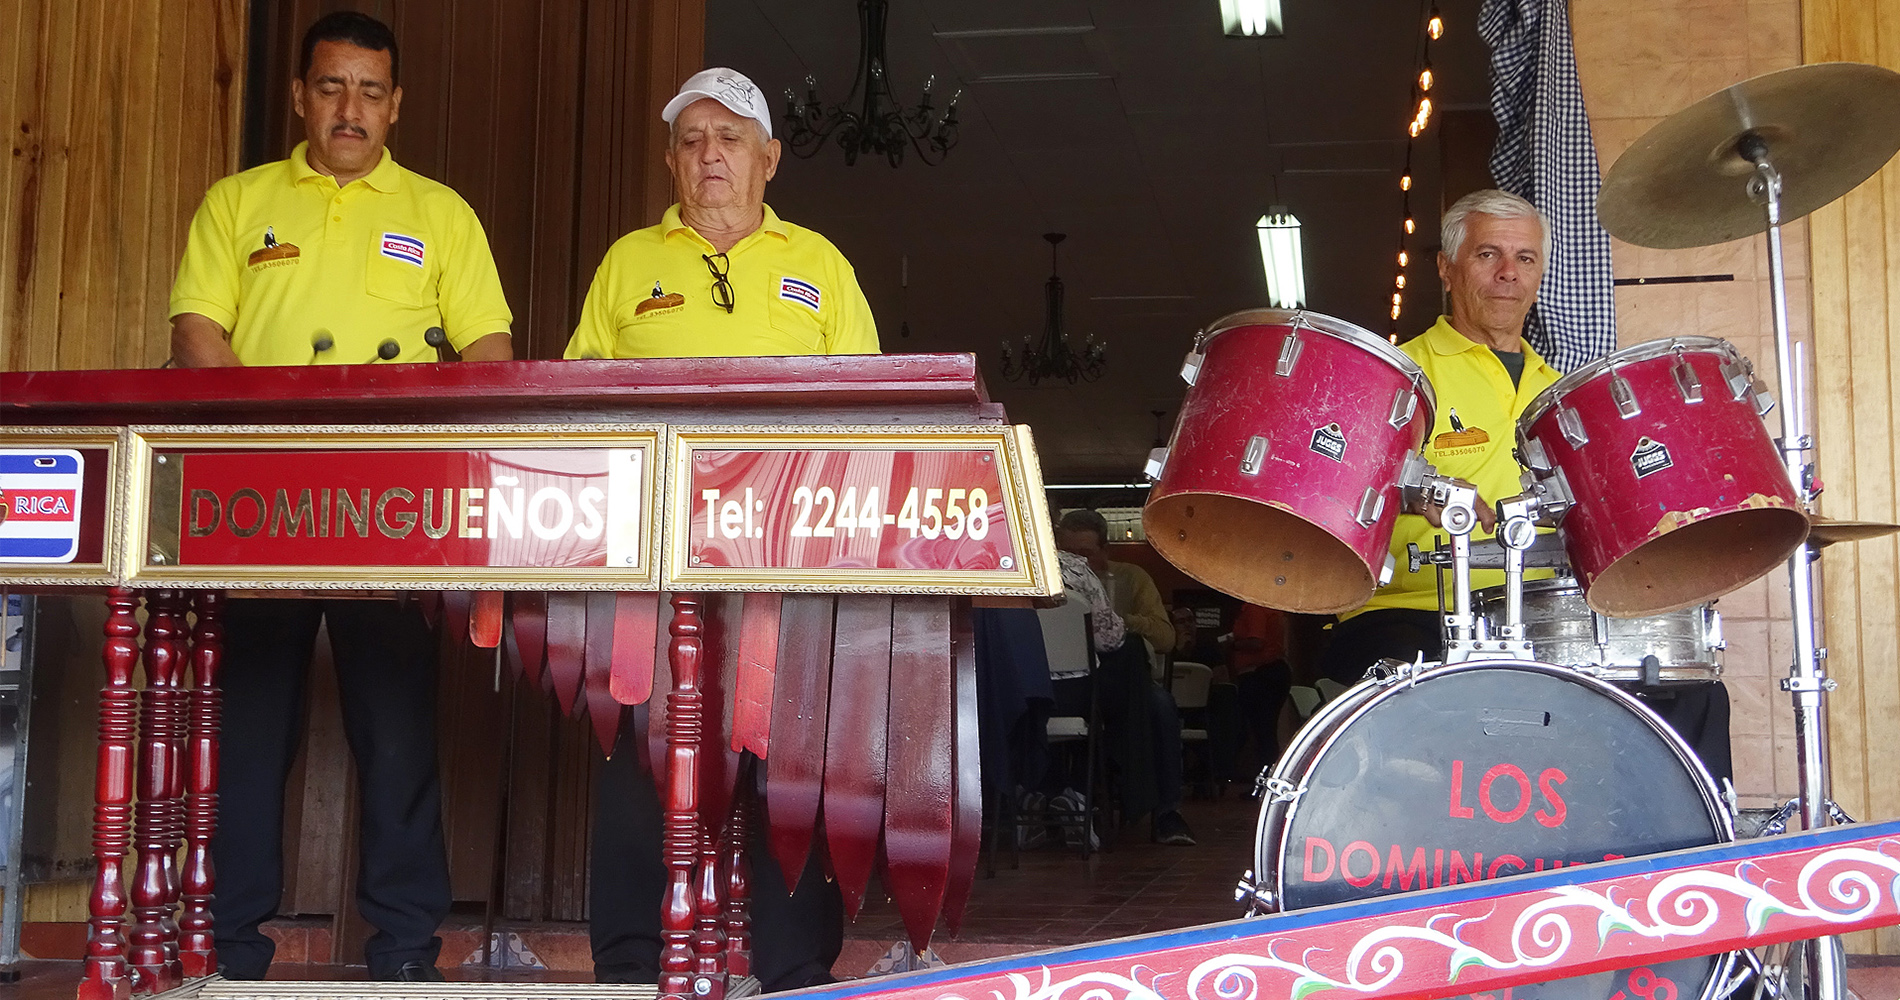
[(1478, 771)]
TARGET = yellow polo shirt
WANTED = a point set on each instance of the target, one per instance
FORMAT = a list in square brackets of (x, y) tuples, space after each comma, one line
[(1471, 382), (792, 293), (281, 258)]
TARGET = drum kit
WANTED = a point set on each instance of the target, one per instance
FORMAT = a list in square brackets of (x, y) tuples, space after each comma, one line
[(1658, 487)]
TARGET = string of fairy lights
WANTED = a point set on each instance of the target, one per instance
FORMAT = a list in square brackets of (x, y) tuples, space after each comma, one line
[(1421, 117)]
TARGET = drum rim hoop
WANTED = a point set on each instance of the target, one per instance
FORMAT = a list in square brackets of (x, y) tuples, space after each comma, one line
[(1648, 350), (1350, 712), (1332, 326)]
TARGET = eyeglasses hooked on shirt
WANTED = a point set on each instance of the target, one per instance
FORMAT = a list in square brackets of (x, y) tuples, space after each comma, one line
[(720, 266)]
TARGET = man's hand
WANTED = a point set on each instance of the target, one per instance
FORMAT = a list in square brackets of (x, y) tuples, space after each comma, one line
[(493, 347), (198, 342)]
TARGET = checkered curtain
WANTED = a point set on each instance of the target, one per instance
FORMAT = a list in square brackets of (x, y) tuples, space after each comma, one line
[(1545, 154)]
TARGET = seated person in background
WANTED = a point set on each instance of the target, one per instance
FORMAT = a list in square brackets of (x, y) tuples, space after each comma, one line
[(1050, 784), (1144, 727), (1257, 662)]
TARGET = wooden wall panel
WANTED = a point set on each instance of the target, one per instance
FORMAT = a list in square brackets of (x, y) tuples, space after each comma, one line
[(1855, 268), (118, 116), (1638, 66)]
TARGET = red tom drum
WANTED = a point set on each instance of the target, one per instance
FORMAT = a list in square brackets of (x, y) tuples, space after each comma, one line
[(1280, 485), (1680, 494)]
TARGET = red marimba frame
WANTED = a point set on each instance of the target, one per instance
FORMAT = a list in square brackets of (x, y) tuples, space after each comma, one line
[(821, 524)]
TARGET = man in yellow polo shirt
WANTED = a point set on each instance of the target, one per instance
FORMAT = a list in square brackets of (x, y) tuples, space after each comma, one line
[(336, 253), (335, 256), (721, 276), (1496, 247), (1484, 374)]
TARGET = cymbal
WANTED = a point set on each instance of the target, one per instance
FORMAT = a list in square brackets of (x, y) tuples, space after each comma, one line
[(1823, 531), (1827, 128)]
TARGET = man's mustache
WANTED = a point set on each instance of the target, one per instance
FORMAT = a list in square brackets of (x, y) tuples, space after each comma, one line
[(355, 130)]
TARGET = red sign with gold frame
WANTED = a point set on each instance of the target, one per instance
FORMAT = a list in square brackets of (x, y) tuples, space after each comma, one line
[(934, 510), (542, 507)]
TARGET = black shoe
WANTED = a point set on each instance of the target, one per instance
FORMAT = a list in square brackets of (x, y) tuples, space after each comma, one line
[(1171, 829), (415, 972)]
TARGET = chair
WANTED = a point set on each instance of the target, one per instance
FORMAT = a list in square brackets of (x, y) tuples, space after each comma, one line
[(1329, 689), (1066, 635), (1190, 683)]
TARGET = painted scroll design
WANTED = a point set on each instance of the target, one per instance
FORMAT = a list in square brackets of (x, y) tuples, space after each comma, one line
[(1567, 926)]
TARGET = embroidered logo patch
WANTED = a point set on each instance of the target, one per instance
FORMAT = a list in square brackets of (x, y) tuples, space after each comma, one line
[(405, 248), (272, 250), (799, 291)]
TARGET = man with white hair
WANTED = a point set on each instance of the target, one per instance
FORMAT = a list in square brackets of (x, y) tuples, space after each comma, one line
[(721, 276), (1496, 246), (1496, 249)]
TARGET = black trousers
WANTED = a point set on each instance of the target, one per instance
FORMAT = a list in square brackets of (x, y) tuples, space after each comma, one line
[(796, 936), (1699, 713), (386, 678)]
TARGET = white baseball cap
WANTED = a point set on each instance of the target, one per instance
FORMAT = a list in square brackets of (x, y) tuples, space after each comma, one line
[(727, 86)]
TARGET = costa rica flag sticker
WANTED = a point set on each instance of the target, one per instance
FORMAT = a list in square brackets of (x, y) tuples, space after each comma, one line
[(40, 496)]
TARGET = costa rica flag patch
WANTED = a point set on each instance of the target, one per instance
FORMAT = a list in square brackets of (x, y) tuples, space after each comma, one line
[(404, 248), (799, 291)]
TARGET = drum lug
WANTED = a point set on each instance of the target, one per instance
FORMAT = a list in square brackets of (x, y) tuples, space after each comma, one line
[(1255, 456), (1157, 463), (1289, 353), (1558, 496), (1276, 790), (1391, 564), (1371, 506), (1624, 397), (1191, 365), (1404, 405), (1572, 426), (1763, 401), (1257, 898), (1531, 453), (1739, 375), (1686, 381)]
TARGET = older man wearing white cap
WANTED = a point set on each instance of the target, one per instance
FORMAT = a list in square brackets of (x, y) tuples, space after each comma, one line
[(721, 276)]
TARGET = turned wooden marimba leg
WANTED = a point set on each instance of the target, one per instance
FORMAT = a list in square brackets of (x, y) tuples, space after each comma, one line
[(158, 823), (681, 848), (739, 877), (107, 976), (196, 946), (709, 930)]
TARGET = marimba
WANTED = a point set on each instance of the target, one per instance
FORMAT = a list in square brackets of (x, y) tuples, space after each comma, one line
[(820, 524)]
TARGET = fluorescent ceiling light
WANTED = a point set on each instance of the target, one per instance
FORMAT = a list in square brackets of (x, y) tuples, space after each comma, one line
[(1251, 18), (1280, 254)]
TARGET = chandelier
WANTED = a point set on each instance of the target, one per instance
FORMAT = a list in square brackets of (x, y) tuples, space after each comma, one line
[(870, 120), (1052, 357)]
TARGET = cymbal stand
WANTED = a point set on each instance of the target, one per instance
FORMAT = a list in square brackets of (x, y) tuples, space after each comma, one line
[(1807, 683)]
